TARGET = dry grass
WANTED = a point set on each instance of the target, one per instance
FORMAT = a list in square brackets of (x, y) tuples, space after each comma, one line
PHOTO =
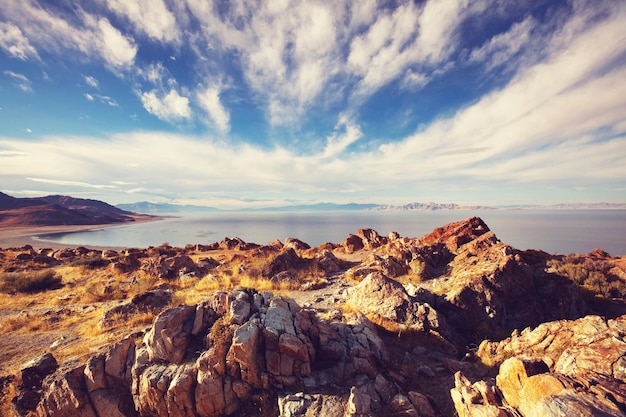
[(29, 282)]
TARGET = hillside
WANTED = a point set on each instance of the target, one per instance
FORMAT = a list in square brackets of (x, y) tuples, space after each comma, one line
[(453, 323), (58, 210)]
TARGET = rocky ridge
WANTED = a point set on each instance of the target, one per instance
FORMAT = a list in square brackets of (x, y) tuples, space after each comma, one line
[(454, 321)]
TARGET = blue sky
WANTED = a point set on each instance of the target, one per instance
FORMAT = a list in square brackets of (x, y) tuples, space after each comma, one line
[(262, 103)]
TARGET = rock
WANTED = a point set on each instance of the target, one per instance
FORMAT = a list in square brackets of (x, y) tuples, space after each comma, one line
[(245, 352), (422, 404), (65, 395), (327, 261), (34, 372), (352, 243), (381, 297), (377, 294), (296, 244), (514, 373), (170, 267), (169, 336), (371, 239), (469, 400), (455, 235), (285, 261), (358, 403), (239, 307)]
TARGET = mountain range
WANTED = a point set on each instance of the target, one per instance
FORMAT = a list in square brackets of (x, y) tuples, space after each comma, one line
[(161, 208), (58, 210)]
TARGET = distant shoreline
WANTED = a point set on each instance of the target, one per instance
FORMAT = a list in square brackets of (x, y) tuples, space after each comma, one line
[(19, 236)]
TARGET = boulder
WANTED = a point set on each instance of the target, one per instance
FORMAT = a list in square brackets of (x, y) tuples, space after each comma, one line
[(34, 372), (169, 336), (296, 244)]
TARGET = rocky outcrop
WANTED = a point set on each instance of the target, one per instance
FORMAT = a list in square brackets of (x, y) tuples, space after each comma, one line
[(559, 368), (387, 302), (213, 358), (410, 326)]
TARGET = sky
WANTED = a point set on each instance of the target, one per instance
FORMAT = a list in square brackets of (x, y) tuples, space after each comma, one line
[(246, 103)]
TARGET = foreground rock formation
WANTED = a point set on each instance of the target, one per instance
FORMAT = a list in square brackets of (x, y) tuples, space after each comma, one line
[(452, 322)]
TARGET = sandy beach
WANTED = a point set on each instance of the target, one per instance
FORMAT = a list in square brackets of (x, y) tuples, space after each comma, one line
[(19, 236)]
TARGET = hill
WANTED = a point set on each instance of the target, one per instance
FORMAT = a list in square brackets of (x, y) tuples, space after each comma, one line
[(56, 210)]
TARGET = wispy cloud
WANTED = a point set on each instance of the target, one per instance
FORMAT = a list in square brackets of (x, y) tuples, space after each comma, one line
[(151, 18), (21, 81), (13, 41), (91, 81), (209, 100), (91, 36), (70, 183)]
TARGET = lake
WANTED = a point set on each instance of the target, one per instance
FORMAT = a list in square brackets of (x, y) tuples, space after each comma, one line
[(554, 231)]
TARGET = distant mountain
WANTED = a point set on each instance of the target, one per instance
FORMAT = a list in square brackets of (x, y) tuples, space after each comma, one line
[(154, 208), (56, 210), (163, 208), (322, 207), (430, 207), (570, 206)]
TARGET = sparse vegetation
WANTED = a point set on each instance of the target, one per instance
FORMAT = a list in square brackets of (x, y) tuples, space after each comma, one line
[(29, 282), (91, 262), (597, 275)]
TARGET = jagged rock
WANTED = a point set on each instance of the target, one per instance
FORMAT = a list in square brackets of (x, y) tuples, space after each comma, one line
[(34, 372), (170, 267), (474, 400), (352, 243), (327, 261), (358, 404), (514, 373), (239, 307), (65, 395), (371, 239), (568, 368), (379, 296), (455, 235), (296, 244), (285, 261), (169, 336)]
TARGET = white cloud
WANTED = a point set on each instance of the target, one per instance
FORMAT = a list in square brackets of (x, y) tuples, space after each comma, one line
[(70, 183), (117, 49), (501, 48), (93, 37), (89, 97), (22, 82), (150, 17), (91, 81), (107, 100), (209, 100), (13, 41), (170, 107), (341, 139)]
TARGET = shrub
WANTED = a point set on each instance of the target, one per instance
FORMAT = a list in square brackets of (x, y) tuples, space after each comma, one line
[(29, 282), (91, 262)]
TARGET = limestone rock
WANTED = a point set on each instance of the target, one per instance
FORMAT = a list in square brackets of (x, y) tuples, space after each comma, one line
[(169, 336), (65, 395)]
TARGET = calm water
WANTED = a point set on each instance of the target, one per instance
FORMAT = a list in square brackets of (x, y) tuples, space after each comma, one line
[(555, 231)]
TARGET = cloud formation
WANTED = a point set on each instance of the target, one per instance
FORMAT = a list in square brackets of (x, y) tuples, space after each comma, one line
[(13, 41), (20, 80), (375, 97), (170, 106)]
